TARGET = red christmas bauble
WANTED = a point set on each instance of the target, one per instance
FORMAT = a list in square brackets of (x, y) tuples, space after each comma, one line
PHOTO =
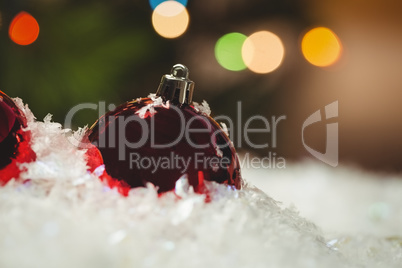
[(14, 141), (96, 166), (161, 138)]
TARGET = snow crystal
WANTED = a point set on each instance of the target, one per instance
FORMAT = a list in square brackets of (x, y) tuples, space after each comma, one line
[(149, 109), (202, 108), (53, 221), (218, 151), (225, 128), (152, 96), (182, 186)]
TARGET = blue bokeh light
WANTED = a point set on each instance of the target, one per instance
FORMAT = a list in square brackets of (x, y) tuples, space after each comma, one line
[(155, 3)]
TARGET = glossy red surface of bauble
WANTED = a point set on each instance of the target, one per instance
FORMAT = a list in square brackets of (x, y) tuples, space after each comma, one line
[(14, 141), (115, 133), (96, 165)]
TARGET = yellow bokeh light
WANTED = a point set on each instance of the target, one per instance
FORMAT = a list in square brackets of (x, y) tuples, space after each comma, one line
[(321, 47), (170, 19), (263, 52)]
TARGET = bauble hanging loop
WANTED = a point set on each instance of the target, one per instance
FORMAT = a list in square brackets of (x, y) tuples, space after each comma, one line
[(176, 87)]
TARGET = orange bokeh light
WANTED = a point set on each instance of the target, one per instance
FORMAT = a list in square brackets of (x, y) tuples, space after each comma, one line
[(321, 47), (24, 29)]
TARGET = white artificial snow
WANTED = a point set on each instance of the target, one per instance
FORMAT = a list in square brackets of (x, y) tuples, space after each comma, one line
[(343, 199), (203, 108), (224, 128), (150, 108), (218, 151), (66, 217)]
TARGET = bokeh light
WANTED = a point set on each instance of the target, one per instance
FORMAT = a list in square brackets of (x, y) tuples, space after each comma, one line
[(321, 47), (24, 29), (228, 51), (155, 3), (263, 52), (170, 19)]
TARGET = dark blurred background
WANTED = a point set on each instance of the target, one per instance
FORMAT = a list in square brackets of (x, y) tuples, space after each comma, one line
[(91, 51)]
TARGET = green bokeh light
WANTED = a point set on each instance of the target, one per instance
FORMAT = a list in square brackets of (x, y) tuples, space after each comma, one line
[(228, 51)]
